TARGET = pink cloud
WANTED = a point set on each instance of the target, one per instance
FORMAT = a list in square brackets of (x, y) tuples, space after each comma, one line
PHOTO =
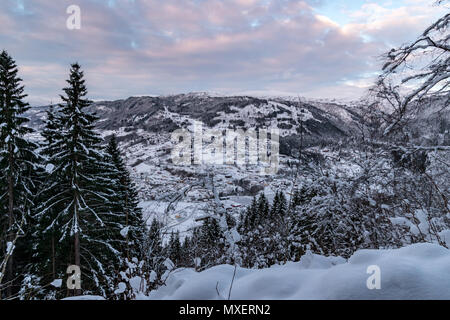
[(158, 47)]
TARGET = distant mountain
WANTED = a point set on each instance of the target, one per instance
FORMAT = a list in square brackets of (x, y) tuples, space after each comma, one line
[(319, 121), (151, 119)]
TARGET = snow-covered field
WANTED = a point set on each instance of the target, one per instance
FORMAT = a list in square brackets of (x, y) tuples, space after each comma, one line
[(420, 271)]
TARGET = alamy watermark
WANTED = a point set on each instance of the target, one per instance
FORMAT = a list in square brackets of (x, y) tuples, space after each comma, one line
[(74, 278), (73, 22), (225, 146), (374, 281)]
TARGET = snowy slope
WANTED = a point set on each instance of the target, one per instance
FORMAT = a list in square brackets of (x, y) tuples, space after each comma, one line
[(420, 271)]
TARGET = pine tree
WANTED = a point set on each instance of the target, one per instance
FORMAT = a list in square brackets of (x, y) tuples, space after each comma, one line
[(249, 218), (210, 243), (46, 242), (195, 249), (51, 131), (263, 209), (19, 166), (276, 232), (265, 232), (79, 188), (154, 253), (186, 253), (154, 240), (174, 248), (126, 202), (275, 204), (279, 206), (325, 224), (252, 229), (49, 260)]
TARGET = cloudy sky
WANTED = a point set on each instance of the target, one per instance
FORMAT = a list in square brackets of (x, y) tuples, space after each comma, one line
[(312, 48)]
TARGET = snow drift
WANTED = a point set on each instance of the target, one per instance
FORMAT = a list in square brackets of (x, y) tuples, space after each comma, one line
[(419, 271)]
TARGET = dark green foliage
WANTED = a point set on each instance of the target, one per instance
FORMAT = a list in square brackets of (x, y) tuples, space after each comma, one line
[(125, 204), (174, 248), (206, 246), (154, 253), (19, 172), (77, 215), (264, 231), (211, 243)]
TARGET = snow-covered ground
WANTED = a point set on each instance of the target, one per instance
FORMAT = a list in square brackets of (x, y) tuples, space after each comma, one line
[(86, 297), (420, 271)]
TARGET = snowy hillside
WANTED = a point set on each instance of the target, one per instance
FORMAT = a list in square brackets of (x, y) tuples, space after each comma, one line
[(137, 117), (143, 126), (180, 195)]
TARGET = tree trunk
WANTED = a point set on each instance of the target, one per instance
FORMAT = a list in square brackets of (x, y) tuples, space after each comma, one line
[(77, 292), (126, 238), (10, 237), (53, 256)]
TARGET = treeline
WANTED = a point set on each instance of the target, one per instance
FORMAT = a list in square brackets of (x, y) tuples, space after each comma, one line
[(275, 233), (66, 200)]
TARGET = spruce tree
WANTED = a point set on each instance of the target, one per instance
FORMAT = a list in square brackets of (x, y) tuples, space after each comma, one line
[(154, 240), (211, 243), (80, 189), (125, 202), (279, 206), (48, 261), (260, 232), (325, 224), (174, 248), (186, 253), (276, 232), (48, 241), (263, 209), (19, 166), (154, 253), (51, 131), (265, 232), (246, 225)]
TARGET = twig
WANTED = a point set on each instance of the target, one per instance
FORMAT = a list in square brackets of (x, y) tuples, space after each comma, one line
[(232, 280)]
